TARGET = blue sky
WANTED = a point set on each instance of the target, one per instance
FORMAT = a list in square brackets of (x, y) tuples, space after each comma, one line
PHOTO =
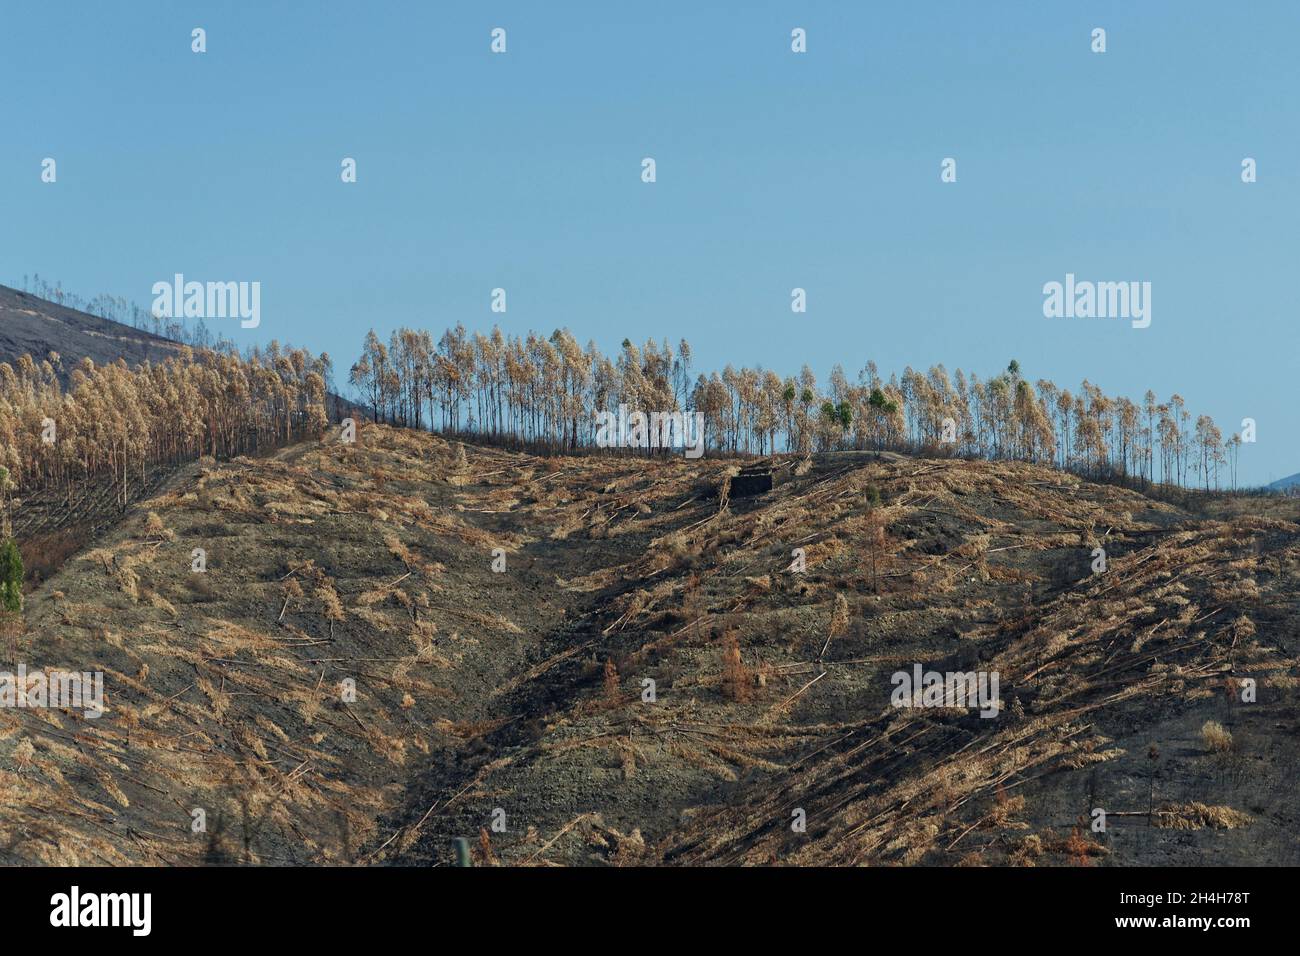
[(775, 170)]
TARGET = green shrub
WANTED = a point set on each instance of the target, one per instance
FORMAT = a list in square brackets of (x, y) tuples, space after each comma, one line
[(11, 576)]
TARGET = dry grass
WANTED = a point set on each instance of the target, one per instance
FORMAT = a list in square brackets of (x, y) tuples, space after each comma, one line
[(371, 562), (1198, 816), (1216, 738)]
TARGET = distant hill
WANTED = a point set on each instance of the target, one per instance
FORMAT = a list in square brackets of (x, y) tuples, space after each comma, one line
[(1282, 484), (30, 325), (34, 326)]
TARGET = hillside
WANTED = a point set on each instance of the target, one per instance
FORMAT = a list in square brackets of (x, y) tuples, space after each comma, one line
[(517, 697), (1282, 484), (63, 494), (33, 326)]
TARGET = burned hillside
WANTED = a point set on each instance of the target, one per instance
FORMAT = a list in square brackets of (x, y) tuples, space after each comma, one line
[(613, 660)]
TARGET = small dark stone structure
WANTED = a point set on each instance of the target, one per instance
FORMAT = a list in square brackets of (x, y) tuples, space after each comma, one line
[(754, 480)]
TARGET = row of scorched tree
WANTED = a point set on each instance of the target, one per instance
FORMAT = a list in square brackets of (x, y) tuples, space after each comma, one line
[(547, 391), (112, 421)]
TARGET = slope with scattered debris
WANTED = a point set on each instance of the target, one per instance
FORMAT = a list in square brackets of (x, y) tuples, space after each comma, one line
[(646, 680)]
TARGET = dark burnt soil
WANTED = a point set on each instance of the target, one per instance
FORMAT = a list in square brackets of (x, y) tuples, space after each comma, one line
[(569, 772), (511, 705)]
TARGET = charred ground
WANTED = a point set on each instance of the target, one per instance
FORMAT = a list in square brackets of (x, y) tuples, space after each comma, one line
[(522, 691)]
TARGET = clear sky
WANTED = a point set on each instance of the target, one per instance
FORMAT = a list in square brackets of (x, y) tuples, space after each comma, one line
[(775, 170)]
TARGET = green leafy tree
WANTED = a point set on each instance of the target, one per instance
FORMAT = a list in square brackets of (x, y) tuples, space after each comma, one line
[(11, 577), (830, 419)]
